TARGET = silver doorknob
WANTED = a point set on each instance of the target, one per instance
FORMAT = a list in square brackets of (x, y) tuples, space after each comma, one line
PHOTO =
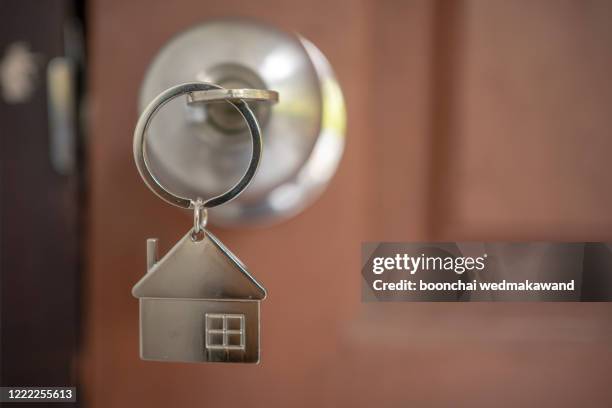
[(200, 149)]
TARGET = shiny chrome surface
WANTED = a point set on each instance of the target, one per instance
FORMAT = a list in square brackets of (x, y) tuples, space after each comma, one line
[(200, 150), (193, 281)]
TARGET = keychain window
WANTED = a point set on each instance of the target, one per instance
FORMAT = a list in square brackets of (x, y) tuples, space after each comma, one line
[(225, 331)]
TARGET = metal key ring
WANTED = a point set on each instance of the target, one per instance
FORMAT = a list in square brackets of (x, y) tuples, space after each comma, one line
[(140, 156)]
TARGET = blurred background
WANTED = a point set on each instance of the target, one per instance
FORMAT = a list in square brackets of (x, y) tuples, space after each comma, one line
[(467, 120)]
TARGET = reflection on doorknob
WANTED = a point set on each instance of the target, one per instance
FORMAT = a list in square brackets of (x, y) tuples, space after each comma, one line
[(201, 149)]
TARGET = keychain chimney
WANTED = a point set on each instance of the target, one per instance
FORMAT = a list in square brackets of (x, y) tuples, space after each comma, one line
[(152, 252)]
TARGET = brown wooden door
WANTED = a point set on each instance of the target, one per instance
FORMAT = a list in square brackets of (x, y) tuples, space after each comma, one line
[(466, 120)]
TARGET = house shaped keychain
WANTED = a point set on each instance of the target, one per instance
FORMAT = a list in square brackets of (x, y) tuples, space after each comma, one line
[(199, 303)]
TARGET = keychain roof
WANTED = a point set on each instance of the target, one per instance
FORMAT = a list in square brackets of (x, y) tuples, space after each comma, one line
[(182, 274)]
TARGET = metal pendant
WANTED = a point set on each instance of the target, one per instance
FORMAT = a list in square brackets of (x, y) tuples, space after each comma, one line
[(198, 304)]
